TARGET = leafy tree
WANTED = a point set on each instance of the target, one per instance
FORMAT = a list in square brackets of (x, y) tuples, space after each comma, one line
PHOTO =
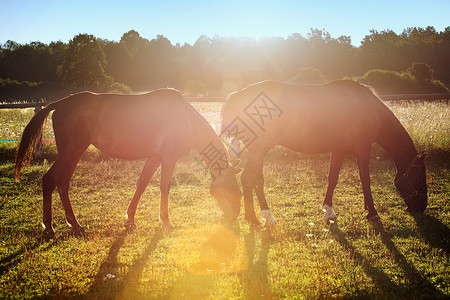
[(84, 65), (132, 41), (31, 62), (223, 64), (120, 65)]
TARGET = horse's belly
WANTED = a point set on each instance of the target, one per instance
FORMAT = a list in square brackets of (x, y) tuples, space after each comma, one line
[(126, 148), (134, 145), (317, 147), (316, 142)]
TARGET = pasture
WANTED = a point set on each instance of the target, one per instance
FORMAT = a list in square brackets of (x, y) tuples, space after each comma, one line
[(404, 257)]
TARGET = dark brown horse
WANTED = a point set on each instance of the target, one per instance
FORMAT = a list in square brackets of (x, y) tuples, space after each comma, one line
[(161, 126), (342, 117)]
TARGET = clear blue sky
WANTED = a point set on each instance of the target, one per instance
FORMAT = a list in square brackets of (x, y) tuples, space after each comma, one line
[(182, 22)]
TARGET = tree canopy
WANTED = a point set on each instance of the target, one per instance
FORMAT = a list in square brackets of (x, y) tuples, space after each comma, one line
[(416, 60)]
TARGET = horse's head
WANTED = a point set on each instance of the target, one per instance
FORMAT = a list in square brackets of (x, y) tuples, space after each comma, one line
[(412, 184), (226, 191)]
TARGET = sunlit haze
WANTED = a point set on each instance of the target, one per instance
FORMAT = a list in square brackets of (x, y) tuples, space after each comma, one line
[(184, 22)]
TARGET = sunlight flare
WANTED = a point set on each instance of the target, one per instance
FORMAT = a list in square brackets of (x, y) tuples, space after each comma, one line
[(211, 249)]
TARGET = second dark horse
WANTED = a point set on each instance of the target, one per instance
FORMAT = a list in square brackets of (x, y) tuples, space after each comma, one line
[(342, 117)]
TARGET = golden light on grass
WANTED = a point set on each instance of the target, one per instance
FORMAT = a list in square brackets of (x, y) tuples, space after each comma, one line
[(210, 249)]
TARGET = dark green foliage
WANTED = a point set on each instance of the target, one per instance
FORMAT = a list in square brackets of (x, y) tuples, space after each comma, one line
[(24, 91), (84, 66), (415, 80), (416, 60), (309, 76)]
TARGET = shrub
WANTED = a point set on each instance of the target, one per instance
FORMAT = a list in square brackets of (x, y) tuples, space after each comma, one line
[(308, 76), (196, 88), (418, 79), (24, 91), (120, 88), (421, 71)]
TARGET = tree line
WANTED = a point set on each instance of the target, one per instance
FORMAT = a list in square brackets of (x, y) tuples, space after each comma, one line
[(415, 61)]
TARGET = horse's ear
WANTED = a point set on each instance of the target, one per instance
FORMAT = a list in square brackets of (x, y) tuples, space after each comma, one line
[(235, 163), (237, 171), (234, 167), (423, 154)]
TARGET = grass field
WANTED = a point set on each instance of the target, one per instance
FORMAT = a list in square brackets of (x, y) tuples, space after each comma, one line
[(404, 257)]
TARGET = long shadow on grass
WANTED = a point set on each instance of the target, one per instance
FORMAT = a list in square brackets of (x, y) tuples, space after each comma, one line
[(379, 277), (216, 259), (13, 259), (105, 285), (433, 231), (130, 283), (418, 285), (255, 280), (417, 282)]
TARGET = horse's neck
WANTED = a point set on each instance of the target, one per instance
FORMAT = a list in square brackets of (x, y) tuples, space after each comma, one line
[(396, 142), (210, 147)]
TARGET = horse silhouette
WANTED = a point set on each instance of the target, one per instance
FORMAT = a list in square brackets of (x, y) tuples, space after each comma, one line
[(160, 126), (342, 117)]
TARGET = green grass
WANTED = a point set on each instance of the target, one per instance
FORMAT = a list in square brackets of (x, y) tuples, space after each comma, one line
[(405, 257)]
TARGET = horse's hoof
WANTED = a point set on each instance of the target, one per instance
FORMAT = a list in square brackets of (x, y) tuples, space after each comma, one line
[(48, 234), (166, 225), (330, 216), (255, 226), (77, 231), (254, 222), (130, 225), (373, 218), (273, 231), (269, 220)]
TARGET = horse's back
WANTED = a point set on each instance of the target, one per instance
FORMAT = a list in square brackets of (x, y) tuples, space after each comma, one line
[(312, 118), (126, 126)]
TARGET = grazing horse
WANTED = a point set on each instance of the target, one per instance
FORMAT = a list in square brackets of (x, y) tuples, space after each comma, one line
[(342, 117), (160, 126)]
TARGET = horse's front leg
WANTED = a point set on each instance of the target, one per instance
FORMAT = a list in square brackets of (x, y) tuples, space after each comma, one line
[(248, 184), (363, 165), (150, 167), (265, 211), (48, 186), (335, 166)]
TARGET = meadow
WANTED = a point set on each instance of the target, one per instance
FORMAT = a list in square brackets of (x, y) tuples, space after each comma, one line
[(405, 256)]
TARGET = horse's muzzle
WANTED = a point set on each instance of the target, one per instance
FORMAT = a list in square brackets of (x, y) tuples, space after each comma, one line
[(417, 204)]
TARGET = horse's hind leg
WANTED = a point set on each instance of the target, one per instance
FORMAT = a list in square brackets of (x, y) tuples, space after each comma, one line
[(48, 186), (150, 167), (335, 166), (167, 168), (63, 186), (363, 165), (59, 176)]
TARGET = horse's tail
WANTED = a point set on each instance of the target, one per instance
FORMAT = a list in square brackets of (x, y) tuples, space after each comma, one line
[(30, 138)]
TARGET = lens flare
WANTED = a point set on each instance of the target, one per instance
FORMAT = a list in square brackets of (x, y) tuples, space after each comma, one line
[(211, 249)]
